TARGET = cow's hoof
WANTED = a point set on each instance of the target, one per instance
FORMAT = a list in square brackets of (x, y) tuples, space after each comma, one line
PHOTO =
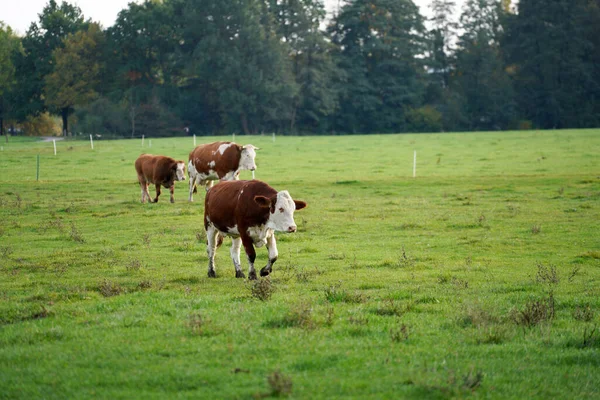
[(172, 200), (265, 271), (212, 274), (239, 274), (252, 276)]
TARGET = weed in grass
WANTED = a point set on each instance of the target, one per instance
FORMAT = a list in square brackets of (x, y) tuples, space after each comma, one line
[(329, 316), (134, 265), (300, 316), (591, 337), (536, 228), (280, 384), (584, 313), (400, 333), (197, 324), (472, 380), (6, 251), (595, 255), (481, 219), (547, 274), (496, 334), (262, 289), (392, 308), (18, 200), (334, 293), (109, 289), (358, 320), (146, 240), (75, 234), (535, 312), (475, 315), (561, 191), (573, 273), (144, 285)]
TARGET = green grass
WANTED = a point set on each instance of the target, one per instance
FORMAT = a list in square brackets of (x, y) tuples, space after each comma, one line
[(478, 278)]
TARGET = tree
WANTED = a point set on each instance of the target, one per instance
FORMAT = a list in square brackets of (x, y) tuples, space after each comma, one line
[(147, 63), (35, 62), (381, 43), (75, 76), (298, 25), (553, 47), (9, 45), (443, 34), (479, 76), (238, 63)]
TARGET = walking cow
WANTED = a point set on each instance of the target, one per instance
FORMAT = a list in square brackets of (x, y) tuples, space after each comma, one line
[(159, 170), (219, 161), (250, 212)]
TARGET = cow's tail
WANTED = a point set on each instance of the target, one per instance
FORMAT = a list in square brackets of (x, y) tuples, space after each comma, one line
[(219, 240)]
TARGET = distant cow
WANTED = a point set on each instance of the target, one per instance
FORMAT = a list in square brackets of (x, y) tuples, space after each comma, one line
[(219, 160), (159, 170), (250, 212)]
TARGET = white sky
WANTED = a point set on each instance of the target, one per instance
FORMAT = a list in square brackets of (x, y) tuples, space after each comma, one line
[(19, 14)]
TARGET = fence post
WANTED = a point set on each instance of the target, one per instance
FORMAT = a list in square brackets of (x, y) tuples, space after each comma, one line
[(37, 173), (415, 165)]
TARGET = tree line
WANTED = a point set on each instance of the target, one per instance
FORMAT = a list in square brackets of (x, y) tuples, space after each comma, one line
[(173, 67)]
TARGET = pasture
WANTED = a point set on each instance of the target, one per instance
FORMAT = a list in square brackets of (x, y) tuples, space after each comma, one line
[(478, 278)]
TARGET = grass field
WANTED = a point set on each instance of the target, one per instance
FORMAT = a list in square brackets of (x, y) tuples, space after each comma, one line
[(478, 278)]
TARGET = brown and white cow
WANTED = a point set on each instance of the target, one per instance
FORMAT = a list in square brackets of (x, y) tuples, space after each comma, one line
[(250, 212), (219, 161), (159, 170)]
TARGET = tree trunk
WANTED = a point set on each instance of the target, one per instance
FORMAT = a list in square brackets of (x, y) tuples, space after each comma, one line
[(65, 121), (132, 116), (244, 119)]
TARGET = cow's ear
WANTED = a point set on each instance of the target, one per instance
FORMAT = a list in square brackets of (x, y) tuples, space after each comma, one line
[(300, 204), (174, 166), (263, 201)]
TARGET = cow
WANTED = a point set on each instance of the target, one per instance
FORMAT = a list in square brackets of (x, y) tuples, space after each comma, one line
[(159, 170), (219, 161), (250, 212)]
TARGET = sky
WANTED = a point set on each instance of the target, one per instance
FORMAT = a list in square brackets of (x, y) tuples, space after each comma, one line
[(19, 14)]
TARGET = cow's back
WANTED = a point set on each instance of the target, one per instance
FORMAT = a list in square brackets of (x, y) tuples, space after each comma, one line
[(154, 169), (231, 203), (218, 157)]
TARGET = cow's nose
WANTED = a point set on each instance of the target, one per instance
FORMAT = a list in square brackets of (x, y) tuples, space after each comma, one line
[(292, 228)]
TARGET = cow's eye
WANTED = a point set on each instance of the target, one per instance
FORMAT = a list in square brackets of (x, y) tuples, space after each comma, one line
[(281, 210)]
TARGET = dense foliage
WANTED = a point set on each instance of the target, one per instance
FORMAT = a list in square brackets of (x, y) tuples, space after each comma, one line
[(252, 66)]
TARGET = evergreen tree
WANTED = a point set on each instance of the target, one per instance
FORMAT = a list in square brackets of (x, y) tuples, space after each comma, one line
[(553, 48), (298, 24), (381, 43), (479, 77)]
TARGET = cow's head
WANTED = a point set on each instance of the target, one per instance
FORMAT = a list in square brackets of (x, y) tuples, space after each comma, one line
[(281, 211), (179, 171), (247, 157)]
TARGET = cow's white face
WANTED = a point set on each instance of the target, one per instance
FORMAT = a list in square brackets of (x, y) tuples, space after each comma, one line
[(180, 171), (247, 157), (281, 217)]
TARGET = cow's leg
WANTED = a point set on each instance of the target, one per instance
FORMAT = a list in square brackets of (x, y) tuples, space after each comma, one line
[(236, 244), (192, 175), (272, 247), (211, 249), (143, 186), (145, 193), (251, 253), (157, 192), (172, 191)]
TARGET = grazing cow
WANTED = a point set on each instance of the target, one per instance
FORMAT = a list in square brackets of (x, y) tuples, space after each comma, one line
[(219, 160), (250, 212), (160, 170)]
